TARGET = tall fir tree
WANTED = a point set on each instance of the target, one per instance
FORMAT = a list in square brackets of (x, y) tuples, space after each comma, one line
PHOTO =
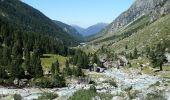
[(68, 69), (157, 56), (135, 53), (55, 68), (95, 59), (3, 73), (35, 64)]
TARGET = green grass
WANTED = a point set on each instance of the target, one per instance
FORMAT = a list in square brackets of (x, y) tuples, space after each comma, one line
[(156, 96), (141, 34), (127, 30), (48, 59), (88, 95), (150, 35), (47, 96)]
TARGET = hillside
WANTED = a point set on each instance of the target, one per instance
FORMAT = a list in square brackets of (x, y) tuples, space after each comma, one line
[(148, 36), (154, 9), (136, 25), (70, 30), (32, 20)]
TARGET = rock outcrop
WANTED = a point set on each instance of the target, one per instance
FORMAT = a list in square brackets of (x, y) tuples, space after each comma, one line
[(152, 8)]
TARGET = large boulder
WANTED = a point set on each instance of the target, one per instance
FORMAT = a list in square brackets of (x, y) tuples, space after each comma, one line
[(16, 81), (96, 98)]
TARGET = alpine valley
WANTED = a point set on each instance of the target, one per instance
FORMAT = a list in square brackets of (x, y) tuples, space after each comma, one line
[(47, 59)]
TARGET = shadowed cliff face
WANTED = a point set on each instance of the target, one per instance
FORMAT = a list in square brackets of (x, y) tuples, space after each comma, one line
[(152, 8)]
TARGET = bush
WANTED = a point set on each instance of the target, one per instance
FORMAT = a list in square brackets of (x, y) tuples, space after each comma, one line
[(113, 83), (6, 81), (17, 97), (92, 82), (43, 82), (155, 96), (93, 88), (88, 95), (132, 94), (128, 88), (50, 82), (48, 96), (58, 81), (155, 84)]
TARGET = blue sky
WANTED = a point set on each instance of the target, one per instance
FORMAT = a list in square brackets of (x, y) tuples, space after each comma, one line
[(81, 12)]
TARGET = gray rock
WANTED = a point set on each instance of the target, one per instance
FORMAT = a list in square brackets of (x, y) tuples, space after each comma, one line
[(96, 98), (152, 8), (16, 81), (117, 98), (23, 82)]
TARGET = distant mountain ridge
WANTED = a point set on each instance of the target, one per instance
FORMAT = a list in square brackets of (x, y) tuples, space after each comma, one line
[(79, 29), (91, 30)]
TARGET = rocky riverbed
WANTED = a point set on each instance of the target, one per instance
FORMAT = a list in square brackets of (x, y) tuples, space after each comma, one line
[(33, 93), (138, 81)]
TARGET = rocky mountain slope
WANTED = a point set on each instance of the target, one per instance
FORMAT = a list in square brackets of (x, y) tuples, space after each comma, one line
[(143, 21), (152, 8)]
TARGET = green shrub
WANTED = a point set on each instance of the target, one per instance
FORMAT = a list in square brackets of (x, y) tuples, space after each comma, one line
[(132, 94), (89, 94), (48, 96), (17, 97), (128, 88), (43, 82), (155, 84), (113, 83), (92, 88), (58, 81), (49, 82), (155, 96)]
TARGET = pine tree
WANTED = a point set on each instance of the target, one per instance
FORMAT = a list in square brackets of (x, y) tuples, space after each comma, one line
[(3, 73), (16, 69), (74, 71), (135, 53), (6, 56), (1, 41), (27, 62), (79, 71), (58, 80), (68, 69), (157, 56), (130, 55), (95, 59), (55, 67), (126, 47), (85, 61), (38, 68), (80, 59), (35, 64), (148, 50)]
